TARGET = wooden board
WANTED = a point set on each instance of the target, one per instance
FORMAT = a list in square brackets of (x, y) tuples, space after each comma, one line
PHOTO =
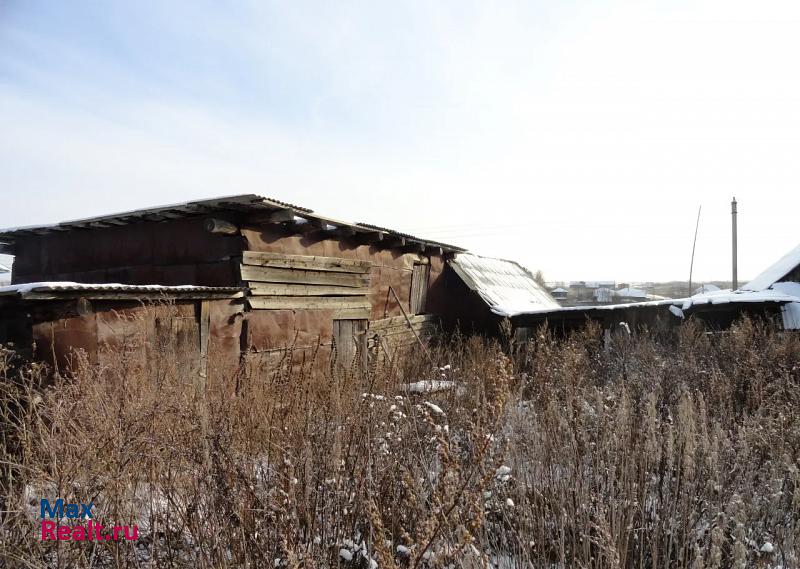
[(279, 275), (281, 289), (308, 302), (401, 321), (397, 331), (305, 262), (351, 314)]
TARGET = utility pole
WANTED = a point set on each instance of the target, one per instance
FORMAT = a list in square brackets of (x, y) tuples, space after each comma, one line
[(694, 244), (735, 280)]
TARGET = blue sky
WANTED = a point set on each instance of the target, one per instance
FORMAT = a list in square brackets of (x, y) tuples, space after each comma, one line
[(579, 138)]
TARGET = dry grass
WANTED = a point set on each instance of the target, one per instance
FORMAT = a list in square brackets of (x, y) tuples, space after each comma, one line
[(677, 453)]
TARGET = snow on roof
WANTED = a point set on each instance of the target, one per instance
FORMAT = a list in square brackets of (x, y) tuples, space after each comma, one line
[(782, 297), (559, 290), (704, 288), (776, 271), (507, 287), (631, 292), (68, 286)]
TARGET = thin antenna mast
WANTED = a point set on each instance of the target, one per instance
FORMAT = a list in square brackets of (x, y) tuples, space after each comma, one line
[(694, 244)]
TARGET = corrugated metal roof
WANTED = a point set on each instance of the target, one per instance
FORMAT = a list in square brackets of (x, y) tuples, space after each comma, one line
[(245, 203), (507, 287), (37, 288), (776, 271)]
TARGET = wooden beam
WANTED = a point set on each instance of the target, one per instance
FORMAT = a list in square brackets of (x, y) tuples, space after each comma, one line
[(370, 237), (276, 216), (305, 262), (272, 289), (401, 321), (308, 303), (394, 241), (279, 275), (310, 226), (408, 319), (352, 314), (205, 326), (343, 231), (397, 331), (221, 226)]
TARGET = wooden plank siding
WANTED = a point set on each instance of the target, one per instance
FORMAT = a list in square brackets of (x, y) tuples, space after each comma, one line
[(308, 302), (306, 262), (307, 282), (391, 335), (419, 287), (350, 347), (273, 275), (281, 289)]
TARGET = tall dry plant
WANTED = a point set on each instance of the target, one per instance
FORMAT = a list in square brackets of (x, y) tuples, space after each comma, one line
[(568, 452)]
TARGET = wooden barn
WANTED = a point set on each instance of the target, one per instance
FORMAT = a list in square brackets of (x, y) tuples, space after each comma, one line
[(244, 278)]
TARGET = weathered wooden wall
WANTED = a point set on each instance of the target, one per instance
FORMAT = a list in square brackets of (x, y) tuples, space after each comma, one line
[(103, 331), (303, 283), (172, 253)]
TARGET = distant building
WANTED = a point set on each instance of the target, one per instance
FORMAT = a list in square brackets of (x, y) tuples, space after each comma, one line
[(630, 294), (559, 293), (604, 295)]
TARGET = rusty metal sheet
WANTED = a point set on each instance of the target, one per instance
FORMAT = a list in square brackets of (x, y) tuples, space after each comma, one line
[(313, 326), (267, 329), (58, 339)]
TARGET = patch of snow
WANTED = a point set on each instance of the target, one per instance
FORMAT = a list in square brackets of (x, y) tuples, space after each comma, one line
[(676, 311), (346, 554), (403, 550), (435, 408), (767, 547), (429, 386), (70, 285), (503, 473)]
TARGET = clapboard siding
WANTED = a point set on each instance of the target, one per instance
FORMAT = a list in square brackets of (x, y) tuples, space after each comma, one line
[(306, 262), (305, 282), (308, 302), (273, 275), (282, 289)]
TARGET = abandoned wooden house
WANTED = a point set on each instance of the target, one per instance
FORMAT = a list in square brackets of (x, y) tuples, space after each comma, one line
[(246, 278)]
